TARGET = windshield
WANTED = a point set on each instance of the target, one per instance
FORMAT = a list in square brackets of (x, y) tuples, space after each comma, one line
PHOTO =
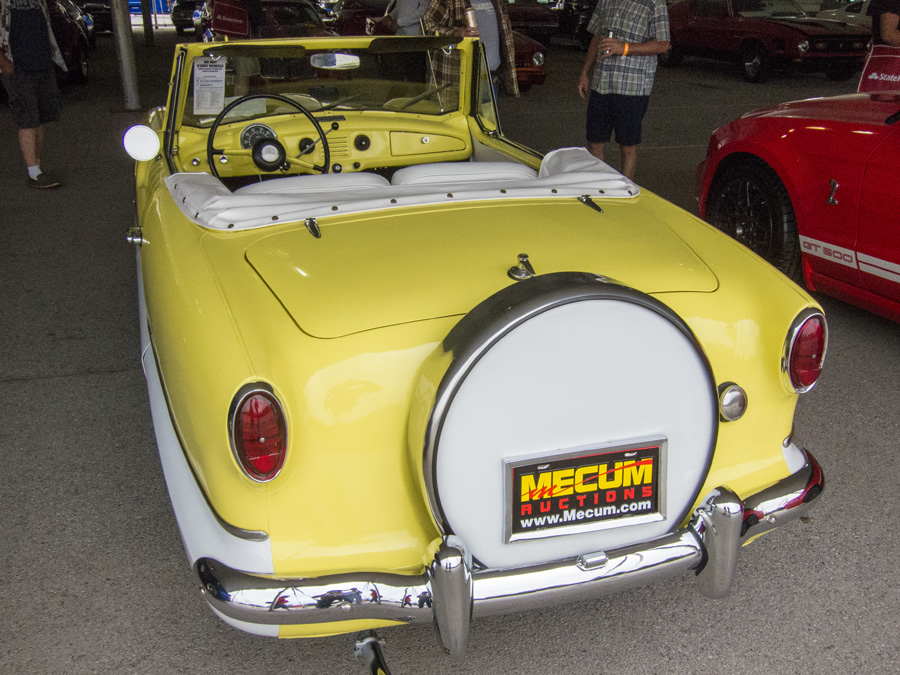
[(767, 8), (415, 75)]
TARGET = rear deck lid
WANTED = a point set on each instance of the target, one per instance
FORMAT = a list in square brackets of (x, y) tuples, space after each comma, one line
[(395, 267)]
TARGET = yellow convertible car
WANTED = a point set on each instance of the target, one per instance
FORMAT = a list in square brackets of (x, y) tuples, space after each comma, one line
[(405, 370)]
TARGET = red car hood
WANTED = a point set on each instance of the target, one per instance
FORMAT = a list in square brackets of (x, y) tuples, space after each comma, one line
[(864, 109), (814, 26)]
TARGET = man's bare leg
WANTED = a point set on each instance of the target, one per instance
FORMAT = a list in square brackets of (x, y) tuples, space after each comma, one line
[(629, 160), (596, 149), (30, 141)]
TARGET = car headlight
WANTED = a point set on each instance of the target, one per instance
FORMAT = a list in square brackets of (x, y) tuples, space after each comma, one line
[(803, 46), (258, 432), (804, 350), (538, 58)]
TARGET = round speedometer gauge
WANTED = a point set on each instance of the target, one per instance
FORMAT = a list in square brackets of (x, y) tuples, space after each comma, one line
[(255, 133)]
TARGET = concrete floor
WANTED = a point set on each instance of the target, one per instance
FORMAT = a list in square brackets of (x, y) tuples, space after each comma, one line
[(93, 577)]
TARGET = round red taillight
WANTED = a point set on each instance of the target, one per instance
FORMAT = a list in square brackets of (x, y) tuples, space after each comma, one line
[(807, 352), (259, 434)]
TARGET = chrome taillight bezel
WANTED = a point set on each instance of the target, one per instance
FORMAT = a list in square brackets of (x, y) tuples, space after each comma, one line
[(790, 342), (237, 403)]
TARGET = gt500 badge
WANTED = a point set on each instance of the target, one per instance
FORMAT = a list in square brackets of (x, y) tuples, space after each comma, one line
[(584, 490)]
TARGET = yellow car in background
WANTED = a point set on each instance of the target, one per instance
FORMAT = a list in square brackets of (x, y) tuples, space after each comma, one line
[(404, 370)]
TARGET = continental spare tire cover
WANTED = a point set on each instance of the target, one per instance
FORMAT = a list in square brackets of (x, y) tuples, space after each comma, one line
[(565, 414)]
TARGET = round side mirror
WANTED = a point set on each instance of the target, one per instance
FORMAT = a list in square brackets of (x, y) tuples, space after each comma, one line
[(141, 143)]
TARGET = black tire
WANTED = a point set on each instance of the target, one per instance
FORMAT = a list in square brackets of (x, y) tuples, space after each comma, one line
[(80, 74), (755, 63), (749, 202)]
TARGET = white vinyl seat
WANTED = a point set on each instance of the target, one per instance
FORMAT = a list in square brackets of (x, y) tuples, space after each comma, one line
[(314, 183), (457, 173), (564, 173)]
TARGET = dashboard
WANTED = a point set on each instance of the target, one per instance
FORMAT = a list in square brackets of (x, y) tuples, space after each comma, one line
[(357, 141)]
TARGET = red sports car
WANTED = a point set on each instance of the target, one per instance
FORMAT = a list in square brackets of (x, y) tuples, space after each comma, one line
[(813, 186), (764, 35)]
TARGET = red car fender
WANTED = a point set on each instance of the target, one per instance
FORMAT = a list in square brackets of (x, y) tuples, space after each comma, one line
[(739, 137)]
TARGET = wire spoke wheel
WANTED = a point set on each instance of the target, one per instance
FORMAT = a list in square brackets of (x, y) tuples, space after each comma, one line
[(748, 202)]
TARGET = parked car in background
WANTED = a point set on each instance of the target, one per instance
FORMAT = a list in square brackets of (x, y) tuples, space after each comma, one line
[(182, 14), (764, 35), (854, 12), (574, 17), (100, 12), (530, 60), (219, 19), (358, 17), (812, 187), (534, 19), (392, 354), (73, 37)]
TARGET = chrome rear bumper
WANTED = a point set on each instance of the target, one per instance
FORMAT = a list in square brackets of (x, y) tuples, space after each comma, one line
[(451, 592)]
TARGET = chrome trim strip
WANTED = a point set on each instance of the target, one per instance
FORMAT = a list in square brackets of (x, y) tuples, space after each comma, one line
[(169, 149), (326, 599), (787, 500), (720, 529), (452, 585), (708, 544), (565, 581)]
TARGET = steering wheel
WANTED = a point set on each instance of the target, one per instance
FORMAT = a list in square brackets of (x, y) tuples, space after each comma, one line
[(267, 154)]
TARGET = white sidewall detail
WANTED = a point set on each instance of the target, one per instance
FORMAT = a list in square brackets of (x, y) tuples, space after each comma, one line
[(591, 373)]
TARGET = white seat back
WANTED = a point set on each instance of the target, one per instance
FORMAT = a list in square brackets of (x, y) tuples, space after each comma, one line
[(462, 172), (315, 183)]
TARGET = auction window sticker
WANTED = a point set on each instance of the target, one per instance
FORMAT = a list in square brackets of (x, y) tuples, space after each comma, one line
[(585, 489), (209, 85), (210, 78)]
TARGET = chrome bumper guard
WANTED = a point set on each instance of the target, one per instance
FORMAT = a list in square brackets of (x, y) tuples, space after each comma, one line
[(451, 592)]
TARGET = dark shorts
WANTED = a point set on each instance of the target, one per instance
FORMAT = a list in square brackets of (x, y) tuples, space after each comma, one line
[(33, 97), (609, 112)]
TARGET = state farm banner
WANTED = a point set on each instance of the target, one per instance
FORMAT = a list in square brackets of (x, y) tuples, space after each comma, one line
[(230, 18), (882, 71)]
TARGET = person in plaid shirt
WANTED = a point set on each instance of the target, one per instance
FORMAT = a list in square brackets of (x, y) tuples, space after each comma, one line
[(28, 59), (448, 17), (618, 71)]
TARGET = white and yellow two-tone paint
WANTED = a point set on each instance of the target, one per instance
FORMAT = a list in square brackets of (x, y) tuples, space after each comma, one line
[(449, 307)]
